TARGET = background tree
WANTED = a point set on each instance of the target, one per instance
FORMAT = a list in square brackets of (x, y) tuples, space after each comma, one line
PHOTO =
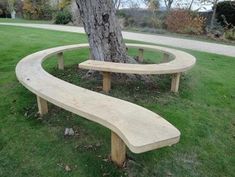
[(37, 9), (188, 4), (191, 4), (64, 3), (119, 3), (3, 8), (225, 13), (11, 6), (214, 3), (103, 30), (168, 4), (153, 6)]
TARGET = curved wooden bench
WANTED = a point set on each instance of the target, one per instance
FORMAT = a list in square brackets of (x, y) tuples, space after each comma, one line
[(181, 62), (140, 129)]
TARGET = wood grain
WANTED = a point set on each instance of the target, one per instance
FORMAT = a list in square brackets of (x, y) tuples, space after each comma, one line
[(60, 60), (106, 82), (118, 149), (42, 106), (181, 62), (139, 128), (175, 82)]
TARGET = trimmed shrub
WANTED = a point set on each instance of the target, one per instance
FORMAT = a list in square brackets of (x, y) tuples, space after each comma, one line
[(183, 21), (63, 17), (37, 11), (129, 21), (230, 34)]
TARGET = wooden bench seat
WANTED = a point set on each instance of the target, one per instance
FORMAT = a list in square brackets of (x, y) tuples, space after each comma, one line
[(181, 62), (140, 129)]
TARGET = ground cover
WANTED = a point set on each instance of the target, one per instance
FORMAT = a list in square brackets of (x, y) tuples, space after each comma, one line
[(204, 112)]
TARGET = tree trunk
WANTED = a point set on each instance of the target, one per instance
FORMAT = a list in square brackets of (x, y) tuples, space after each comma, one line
[(168, 4), (103, 30), (213, 14), (190, 5)]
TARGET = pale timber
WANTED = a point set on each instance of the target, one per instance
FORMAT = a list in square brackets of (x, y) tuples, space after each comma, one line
[(139, 128), (141, 55), (60, 61), (42, 106), (175, 82), (118, 149), (106, 82), (181, 62)]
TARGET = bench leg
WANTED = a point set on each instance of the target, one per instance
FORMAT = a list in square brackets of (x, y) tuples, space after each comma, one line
[(175, 82), (106, 82), (118, 150), (60, 61), (165, 58), (42, 106), (141, 55)]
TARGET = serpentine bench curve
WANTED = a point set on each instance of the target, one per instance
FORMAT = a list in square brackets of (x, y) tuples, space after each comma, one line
[(181, 62), (132, 125)]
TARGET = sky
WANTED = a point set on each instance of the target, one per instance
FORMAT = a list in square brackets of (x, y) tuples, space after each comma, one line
[(142, 5)]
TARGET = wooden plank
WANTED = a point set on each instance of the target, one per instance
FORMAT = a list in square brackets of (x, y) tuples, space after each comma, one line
[(118, 150), (106, 82), (181, 61), (141, 55), (127, 120), (60, 60), (42, 106), (175, 82)]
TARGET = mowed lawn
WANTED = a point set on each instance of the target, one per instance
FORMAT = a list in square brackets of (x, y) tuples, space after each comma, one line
[(204, 112)]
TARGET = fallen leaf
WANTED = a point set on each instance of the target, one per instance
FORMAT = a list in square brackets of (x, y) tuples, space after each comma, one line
[(67, 168), (105, 174)]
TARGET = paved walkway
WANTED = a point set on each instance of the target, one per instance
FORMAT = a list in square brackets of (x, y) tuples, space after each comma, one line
[(155, 39)]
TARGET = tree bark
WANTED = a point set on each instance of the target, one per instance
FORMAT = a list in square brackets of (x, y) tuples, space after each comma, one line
[(103, 30), (213, 14)]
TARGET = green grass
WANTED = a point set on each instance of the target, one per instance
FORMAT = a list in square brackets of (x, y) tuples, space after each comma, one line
[(204, 112), (20, 20)]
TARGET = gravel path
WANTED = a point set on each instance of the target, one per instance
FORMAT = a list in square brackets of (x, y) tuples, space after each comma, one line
[(222, 49)]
